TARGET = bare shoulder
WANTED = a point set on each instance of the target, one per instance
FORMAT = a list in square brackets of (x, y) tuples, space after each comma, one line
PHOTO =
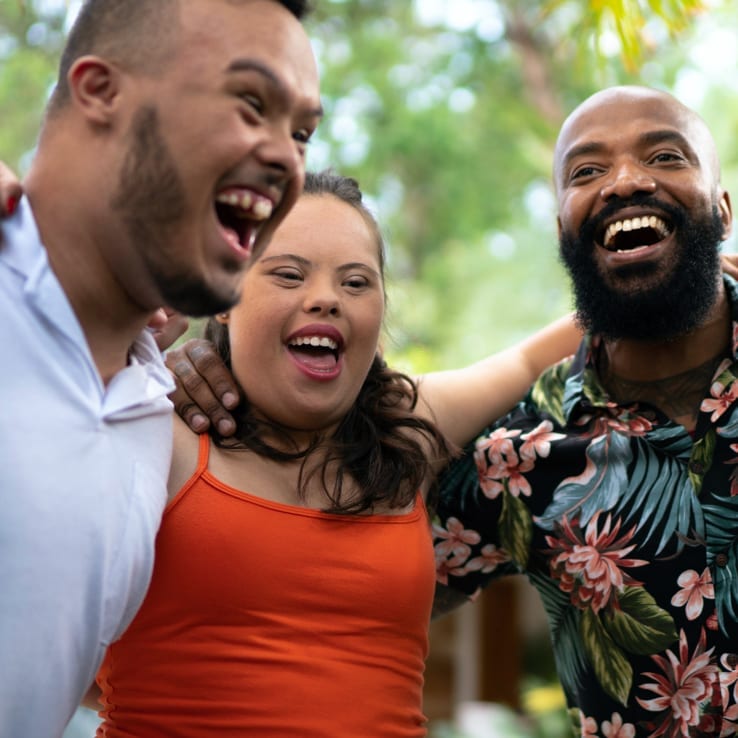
[(184, 456)]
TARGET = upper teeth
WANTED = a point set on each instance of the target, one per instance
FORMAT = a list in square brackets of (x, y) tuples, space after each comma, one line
[(633, 224), (248, 204), (323, 341), (262, 209)]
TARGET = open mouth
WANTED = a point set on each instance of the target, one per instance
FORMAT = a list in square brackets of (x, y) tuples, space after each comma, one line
[(318, 353), (633, 233), (242, 212)]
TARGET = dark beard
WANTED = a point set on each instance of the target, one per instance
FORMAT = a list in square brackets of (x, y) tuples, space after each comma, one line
[(152, 202), (659, 308)]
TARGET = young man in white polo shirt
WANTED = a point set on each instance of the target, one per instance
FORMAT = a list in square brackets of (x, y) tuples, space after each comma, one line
[(172, 147)]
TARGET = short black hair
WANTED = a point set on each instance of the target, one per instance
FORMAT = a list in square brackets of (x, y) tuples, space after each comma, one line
[(137, 32), (298, 8)]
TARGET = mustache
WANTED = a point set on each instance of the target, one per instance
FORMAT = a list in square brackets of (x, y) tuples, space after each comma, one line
[(596, 224)]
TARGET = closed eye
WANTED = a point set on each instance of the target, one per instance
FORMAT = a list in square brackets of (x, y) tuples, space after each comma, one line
[(288, 275), (254, 103), (356, 283)]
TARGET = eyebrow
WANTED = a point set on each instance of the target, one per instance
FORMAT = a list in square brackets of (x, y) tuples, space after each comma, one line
[(648, 139), (254, 65), (299, 259), (306, 262)]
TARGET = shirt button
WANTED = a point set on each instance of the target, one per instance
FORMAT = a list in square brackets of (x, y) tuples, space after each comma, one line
[(696, 467), (721, 559)]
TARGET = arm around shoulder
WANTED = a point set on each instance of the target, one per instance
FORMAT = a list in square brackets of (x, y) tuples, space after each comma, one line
[(463, 401)]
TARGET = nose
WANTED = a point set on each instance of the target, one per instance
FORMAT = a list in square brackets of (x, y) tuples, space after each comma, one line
[(627, 178), (322, 299), (281, 152)]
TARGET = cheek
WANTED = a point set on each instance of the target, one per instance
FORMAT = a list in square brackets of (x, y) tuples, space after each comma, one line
[(369, 331), (566, 217), (575, 208), (249, 334)]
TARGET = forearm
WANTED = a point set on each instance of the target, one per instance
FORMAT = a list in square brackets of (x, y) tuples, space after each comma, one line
[(463, 401)]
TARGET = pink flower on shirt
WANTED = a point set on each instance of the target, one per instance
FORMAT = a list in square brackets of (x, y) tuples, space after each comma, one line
[(490, 559), (538, 441), (684, 687), (455, 539), (589, 726), (500, 467), (590, 564), (694, 589), (722, 396), (450, 566), (615, 728)]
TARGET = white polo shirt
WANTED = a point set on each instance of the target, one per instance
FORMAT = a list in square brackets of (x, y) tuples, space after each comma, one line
[(83, 471)]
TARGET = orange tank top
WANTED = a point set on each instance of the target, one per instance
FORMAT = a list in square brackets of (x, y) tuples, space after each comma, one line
[(266, 620)]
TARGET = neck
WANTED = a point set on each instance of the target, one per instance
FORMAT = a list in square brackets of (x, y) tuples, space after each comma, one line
[(109, 319), (673, 375)]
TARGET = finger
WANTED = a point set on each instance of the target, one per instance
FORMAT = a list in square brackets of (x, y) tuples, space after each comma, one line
[(194, 399), (189, 409), (158, 320), (167, 326), (209, 364), (10, 190)]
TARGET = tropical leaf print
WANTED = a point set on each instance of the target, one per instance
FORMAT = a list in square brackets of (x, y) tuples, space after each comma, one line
[(564, 624), (660, 498), (639, 625), (555, 601), (516, 528), (571, 658), (597, 488), (721, 524), (730, 429), (548, 391), (611, 668), (702, 454)]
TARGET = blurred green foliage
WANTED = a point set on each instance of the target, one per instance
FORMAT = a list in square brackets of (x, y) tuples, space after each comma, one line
[(447, 114)]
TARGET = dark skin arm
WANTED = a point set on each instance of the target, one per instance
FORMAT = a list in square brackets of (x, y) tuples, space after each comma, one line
[(206, 389)]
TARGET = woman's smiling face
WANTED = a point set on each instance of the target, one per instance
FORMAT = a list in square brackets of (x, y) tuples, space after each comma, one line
[(307, 328)]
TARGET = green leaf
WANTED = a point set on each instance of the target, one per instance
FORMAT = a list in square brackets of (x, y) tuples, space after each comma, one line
[(516, 528), (611, 668), (640, 626), (548, 391), (702, 453)]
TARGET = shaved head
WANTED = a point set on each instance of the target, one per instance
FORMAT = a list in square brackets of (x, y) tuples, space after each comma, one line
[(607, 105)]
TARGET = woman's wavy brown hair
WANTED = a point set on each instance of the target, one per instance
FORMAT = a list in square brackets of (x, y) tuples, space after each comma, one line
[(381, 444)]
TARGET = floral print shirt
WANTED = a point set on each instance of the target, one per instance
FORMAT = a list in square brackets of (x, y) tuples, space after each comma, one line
[(628, 527)]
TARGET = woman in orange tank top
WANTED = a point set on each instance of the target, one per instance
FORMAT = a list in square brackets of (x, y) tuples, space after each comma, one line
[(294, 570)]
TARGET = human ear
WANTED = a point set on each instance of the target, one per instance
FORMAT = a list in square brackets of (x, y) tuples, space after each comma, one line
[(94, 85), (726, 214), (223, 318)]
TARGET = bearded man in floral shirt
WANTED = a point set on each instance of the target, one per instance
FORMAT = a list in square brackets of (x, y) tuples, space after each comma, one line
[(613, 484)]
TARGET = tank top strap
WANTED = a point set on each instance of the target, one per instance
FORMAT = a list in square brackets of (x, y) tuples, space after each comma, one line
[(203, 454)]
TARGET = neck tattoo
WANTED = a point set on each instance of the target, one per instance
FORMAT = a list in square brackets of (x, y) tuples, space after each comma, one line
[(678, 396)]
